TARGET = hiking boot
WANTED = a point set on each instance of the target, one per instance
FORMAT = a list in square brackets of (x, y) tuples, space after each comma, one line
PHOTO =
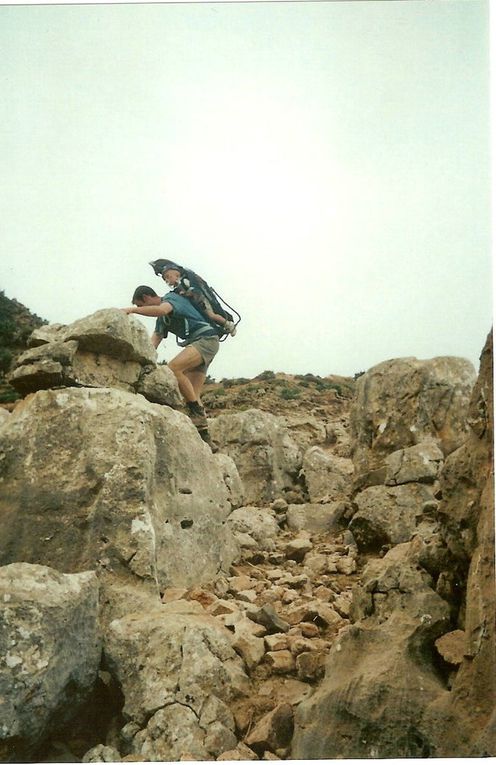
[(230, 328), (205, 435), (199, 421)]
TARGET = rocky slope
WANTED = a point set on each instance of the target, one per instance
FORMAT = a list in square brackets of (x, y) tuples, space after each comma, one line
[(16, 325), (322, 586)]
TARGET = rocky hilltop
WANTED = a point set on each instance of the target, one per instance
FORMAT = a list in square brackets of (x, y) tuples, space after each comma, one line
[(16, 325), (320, 585)]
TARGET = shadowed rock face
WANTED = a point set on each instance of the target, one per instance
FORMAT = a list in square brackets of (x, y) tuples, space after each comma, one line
[(101, 479), (50, 644), (386, 692)]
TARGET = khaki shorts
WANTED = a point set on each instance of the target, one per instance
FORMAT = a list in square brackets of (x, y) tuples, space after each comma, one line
[(207, 347)]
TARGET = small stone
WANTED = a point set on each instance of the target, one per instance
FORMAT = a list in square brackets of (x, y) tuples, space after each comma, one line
[(204, 597), (342, 604), (346, 565), (310, 665), (245, 540), (275, 574), (219, 739), (294, 580), (250, 648), (299, 645), (173, 593), (276, 558), (451, 646), (315, 563), (102, 753), (243, 624), (270, 756), (309, 629), (238, 583), (247, 596), (299, 612), (280, 662), (273, 731), (327, 614), (323, 593), (298, 548), (242, 752), (222, 607), (289, 596), (279, 505), (276, 642), (267, 616)]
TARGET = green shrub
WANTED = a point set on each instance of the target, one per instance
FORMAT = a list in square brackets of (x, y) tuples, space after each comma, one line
[(289, 393), (267, 375)]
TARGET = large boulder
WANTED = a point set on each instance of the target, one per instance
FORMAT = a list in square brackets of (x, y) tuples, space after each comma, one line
[(402, 402), (328, 477), (50, 648), (268, 460), (112, 333), (388, 515), (178, 673), (103, 350), (462, 722), (380, 674), (102, 479)]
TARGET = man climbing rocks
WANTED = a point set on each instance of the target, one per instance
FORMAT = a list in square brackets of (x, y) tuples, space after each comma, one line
[(176, 314)]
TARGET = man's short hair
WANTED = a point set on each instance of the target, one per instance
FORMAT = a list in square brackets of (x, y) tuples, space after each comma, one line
[(141, 291)]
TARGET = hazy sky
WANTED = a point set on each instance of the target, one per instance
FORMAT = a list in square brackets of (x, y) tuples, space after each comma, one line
[(324, 165)]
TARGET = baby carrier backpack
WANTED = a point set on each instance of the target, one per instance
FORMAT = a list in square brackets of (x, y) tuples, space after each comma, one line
[(203, 296)]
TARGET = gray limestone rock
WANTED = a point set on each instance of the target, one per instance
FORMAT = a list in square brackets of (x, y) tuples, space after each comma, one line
[(102, 479), (316, 518), (267, 458), (401, 402), (388, 515), (328, 477), (50, 648)]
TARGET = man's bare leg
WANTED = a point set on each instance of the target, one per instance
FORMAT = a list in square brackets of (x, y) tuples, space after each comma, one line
[(182, 364)]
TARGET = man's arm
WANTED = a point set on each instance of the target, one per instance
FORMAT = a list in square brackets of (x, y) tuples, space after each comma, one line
[(150, 310)]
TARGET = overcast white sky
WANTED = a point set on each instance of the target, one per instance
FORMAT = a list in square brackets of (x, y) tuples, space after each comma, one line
[(324, 165)]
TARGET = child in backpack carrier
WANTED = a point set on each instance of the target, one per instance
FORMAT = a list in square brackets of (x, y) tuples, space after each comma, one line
[(177, 278)]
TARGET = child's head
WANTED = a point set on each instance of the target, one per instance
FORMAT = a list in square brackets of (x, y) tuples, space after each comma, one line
[(171, 276)]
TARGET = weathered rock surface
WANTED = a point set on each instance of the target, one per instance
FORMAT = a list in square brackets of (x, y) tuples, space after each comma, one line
[(462, 722), (388, 515), (420, 463), (50, 648), (101, 479), (104, 350), (268, 460), (327, 476), (212, 649), (402, 681), (400, 403), (379, 678), (316, 518), (259, 524), (178, 670)]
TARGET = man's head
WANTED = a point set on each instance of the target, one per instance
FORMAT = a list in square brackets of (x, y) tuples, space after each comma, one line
[(144, 295)]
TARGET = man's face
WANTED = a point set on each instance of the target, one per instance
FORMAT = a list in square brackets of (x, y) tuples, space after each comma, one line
[(171, 277), (145, 300)]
